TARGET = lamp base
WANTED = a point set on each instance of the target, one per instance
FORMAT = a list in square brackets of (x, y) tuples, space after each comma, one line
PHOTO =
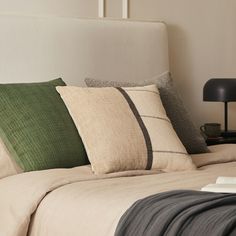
[(230, 133)]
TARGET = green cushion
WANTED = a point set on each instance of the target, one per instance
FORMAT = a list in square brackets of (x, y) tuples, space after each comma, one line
[(37, 128)]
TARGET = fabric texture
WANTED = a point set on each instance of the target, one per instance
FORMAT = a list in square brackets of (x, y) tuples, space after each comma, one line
[(175, 109), (37, 128), (8, 166), (125, 129), (60, 198), (218, 154), (180, 212)]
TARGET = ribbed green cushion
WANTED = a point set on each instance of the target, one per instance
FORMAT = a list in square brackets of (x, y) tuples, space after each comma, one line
[(37, 128)]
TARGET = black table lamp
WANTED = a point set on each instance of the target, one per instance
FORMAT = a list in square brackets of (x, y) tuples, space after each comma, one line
[(221, 90)]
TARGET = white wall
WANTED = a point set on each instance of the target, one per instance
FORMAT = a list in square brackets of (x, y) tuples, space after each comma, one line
[(74, 8), (202, 38)]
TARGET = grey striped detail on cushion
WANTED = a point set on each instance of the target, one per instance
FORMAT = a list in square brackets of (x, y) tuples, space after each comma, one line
[(156, 117), (142, 90), (182, 153), (165, 143), (142, 126)]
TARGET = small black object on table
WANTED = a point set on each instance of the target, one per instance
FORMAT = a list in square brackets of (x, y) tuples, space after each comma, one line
[(221, 90)]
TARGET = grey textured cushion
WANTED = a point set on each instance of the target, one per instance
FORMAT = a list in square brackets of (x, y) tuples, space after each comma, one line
[(177, 113)]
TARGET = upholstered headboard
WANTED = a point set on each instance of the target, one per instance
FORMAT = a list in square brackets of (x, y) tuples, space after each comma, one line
[(41, 48)]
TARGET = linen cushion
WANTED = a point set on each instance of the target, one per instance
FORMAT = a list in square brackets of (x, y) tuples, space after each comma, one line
[(173, 104), (8, 165), (37, 128), (125, 129)]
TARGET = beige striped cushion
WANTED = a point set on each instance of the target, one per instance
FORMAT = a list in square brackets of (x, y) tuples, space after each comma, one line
[(125, 129)]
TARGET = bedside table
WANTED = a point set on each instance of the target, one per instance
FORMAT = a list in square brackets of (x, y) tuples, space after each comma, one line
[(220, 140)]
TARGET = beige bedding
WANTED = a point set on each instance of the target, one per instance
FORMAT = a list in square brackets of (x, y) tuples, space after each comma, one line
[(85, 204)]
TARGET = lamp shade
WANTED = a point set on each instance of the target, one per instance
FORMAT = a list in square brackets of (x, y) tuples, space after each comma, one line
[(222, 90)]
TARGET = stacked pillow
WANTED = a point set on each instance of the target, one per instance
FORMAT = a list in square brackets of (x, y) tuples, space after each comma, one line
[(125, 129), (173, 104), (122, 128), (37, 129)]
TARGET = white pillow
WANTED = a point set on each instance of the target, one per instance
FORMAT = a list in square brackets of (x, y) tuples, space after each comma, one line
[(125, 129)]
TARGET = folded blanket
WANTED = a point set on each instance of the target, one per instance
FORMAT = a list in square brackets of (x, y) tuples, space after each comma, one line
[(180, 212)]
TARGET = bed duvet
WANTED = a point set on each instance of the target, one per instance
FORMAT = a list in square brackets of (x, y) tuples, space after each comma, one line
[(66, 202)]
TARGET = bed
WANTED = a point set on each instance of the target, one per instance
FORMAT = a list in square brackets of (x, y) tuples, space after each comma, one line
[(75, 201)]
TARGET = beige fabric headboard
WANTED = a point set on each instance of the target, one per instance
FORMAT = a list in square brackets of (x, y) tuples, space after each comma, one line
[(41, 48)]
